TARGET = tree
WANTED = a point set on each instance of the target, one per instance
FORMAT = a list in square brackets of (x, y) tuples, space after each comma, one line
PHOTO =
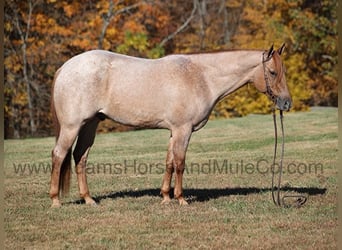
[(314, 27), (23, 29), (40, 35)]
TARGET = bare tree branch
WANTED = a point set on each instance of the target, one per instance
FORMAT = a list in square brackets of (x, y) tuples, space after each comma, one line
[(133, 6), (202, 10), (227, 34), (106, 21), (231, 20), (181, 28), (110, 14)]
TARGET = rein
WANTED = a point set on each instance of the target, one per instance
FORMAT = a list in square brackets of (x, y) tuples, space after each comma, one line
[(276, 189), (277, 199)]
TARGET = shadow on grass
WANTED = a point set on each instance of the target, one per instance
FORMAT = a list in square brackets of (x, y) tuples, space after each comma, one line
[(204, 194)]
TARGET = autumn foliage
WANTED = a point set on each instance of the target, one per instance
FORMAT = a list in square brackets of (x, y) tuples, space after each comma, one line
[(40, 35)]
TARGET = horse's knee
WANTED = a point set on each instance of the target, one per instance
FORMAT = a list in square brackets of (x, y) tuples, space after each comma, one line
[(179, 165), (169, 168)]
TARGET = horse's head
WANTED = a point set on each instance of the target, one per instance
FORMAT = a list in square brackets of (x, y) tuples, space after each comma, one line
[(274, 82)]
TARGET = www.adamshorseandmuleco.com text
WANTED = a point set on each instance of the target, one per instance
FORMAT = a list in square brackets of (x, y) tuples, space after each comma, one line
[(211, 166)]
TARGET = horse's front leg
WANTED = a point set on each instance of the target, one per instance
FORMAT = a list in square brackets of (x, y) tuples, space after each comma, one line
[(166, 185), (180, 164), (180, 143)]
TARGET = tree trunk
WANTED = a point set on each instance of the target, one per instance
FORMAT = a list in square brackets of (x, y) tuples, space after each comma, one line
[(33, 127)]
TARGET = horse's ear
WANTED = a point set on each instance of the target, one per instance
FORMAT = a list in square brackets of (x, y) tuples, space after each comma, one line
[(270, 52), (281, 49)]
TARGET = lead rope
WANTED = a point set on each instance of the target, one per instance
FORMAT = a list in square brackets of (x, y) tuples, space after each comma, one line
[(277, 200)]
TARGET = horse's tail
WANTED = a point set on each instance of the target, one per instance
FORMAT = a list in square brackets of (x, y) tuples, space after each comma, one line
[(65, 173)]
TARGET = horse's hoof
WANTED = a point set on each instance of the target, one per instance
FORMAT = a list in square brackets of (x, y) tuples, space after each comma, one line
[(56, 204), (90, 201), (166, 201), (183, 202)]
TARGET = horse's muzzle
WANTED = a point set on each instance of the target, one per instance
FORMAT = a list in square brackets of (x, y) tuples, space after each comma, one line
[(284, 104)]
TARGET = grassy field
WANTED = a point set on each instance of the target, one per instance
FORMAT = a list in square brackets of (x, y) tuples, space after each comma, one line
[(227, 183)]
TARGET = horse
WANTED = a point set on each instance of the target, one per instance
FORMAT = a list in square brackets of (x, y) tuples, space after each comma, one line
[(175, 92)]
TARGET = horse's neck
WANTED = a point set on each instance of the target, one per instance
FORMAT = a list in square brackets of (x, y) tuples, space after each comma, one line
[(226, 72)]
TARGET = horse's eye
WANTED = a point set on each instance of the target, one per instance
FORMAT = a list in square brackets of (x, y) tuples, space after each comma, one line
[(273, 73)]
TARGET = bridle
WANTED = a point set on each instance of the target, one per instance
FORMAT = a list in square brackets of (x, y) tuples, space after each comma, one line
[(277, 199), (268, 92)]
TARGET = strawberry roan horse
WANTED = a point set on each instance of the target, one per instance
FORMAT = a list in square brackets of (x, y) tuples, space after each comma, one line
[(176, 92)]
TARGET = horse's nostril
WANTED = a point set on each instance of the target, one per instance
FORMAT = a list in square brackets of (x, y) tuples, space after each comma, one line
[(287, 105), (284, 104)]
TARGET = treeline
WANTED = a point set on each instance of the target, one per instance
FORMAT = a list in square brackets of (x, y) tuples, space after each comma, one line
[(40, 35)]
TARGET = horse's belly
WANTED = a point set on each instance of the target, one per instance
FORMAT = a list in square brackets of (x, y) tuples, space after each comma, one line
[(137, 115)]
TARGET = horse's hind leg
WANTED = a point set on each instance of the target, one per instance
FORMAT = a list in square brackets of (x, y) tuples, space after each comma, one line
[(59, 156), (84, 142)]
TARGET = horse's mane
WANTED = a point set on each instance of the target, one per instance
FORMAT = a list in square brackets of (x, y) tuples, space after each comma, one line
[(219, 51)]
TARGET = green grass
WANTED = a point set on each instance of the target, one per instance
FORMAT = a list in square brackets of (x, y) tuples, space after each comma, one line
[(230, 205)]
